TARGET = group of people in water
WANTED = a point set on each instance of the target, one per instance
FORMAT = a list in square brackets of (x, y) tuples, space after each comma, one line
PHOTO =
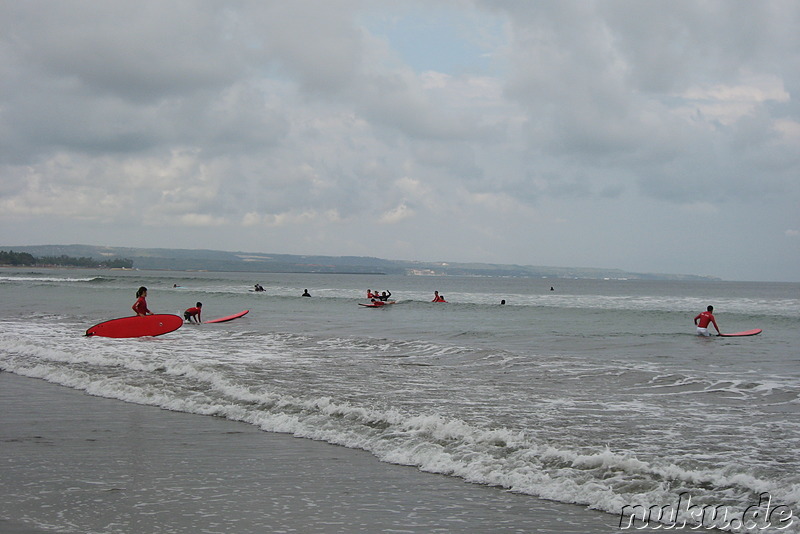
[(376, 296), (379, 299), (140, 307), (383, 296), (701, 321)]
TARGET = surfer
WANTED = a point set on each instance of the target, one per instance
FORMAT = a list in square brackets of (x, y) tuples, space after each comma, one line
[(140, 306), (258, 287), (703, 319), (384, 296), (305, 293), (377, 302), (437, 297), (370, 294), (193, 313)]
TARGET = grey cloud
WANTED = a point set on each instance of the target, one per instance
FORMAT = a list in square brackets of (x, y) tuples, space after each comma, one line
[(600, 83), (715, 41), (137, 51), (289, 116), (315, 43)]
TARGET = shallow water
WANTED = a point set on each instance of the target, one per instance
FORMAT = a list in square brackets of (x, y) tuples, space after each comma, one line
[(596, 393)]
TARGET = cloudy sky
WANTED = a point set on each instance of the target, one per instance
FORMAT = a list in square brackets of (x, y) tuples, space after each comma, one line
[(646, 136)]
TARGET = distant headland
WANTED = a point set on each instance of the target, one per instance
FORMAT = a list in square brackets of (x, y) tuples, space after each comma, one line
[(217, 260)]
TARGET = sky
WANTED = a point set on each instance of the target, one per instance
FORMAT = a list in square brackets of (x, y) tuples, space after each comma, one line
[(658, 137)]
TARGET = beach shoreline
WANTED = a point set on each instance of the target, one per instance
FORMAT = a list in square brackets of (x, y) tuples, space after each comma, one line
[(79, 463)]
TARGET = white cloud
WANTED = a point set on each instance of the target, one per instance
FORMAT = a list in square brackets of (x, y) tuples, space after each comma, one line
[(729, 103), (289, 218), (397, 214), (201, 220)]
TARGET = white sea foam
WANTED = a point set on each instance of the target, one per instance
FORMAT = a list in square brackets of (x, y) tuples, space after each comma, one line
[(497, 456), (48, 279)]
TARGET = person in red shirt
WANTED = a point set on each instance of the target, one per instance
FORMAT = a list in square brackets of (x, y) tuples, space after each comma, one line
[(702, 321), (193, 313), (140, 306)]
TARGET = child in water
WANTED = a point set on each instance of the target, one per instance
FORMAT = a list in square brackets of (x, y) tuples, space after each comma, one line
[(140, 306)]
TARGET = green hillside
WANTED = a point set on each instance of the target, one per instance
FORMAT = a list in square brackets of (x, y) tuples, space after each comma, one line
[(217, 260)]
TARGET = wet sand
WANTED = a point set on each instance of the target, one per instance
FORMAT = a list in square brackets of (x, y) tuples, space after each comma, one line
[(83, 464)]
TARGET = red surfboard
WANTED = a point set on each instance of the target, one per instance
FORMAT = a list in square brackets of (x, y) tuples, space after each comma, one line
[(136, 326), (228, 317), (378, 304), (752, 332)]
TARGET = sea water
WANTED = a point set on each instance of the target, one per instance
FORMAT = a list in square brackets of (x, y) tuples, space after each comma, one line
[(594, 392)]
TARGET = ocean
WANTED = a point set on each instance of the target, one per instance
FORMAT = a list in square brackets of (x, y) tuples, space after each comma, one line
[(595, 392)]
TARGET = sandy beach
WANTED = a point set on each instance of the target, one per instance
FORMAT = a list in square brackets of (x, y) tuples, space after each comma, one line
[(77, 463)]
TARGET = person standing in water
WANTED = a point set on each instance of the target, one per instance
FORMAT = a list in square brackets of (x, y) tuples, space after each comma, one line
[(703, 319), (140, 306)]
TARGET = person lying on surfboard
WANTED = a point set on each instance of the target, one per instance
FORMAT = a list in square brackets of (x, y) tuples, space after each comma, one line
[(704, 319), (140, 306), (193, 313)]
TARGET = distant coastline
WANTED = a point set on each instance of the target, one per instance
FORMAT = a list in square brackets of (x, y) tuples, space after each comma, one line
[(9, 258), (222, 261)]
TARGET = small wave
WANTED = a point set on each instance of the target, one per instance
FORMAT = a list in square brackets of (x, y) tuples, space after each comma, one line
[(51, 279), (767, 390)]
